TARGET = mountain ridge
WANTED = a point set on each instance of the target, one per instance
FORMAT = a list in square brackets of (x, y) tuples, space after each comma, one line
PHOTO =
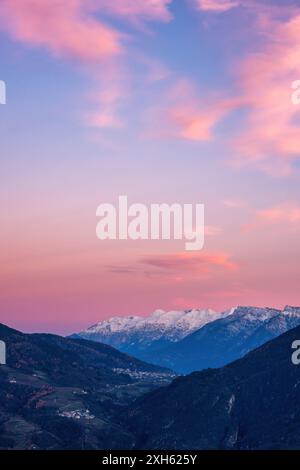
[(252, 403), (210, 340), (62, 393), (223, 341), (135, 334)]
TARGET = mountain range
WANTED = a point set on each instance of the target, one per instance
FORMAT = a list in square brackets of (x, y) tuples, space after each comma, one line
[(62, 393), (145, 335), (227, 339), (192, 340)]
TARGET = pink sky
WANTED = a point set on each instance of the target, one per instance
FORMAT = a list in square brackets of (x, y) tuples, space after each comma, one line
[(165, 101)]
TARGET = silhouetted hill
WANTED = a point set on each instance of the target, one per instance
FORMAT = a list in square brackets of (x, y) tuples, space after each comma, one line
[(253, 403), (58, 393)]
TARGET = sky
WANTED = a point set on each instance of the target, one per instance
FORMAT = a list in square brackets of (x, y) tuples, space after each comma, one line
[(164, 101)]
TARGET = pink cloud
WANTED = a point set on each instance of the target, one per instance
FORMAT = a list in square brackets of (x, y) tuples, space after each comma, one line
[(285, 214), (271, 138), (178, 267), (187, 113), (233, 203), (217, 6), (288, 213), (199, 263), (78, 30), (212, 230), (192, 124), (107, 101), (71, 29), (135, 10), (67, 29)]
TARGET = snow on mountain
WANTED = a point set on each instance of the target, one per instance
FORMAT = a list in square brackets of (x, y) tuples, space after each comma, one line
[(291, 311), (289, 318), (183, 320), (187, 340), (226, 339), (134, 334)]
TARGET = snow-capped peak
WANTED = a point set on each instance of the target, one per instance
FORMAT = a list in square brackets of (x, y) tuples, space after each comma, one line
[(133, 334), (115, 324), (183, 321), (144, 337), (289, 310), (255, 313)]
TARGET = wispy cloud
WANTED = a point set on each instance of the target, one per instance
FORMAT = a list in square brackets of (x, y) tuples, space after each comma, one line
[(285, 214), (212, 230), (82, 31), (271, 138), (177, 267), (190, 262), (233, 203), (217, 6), (120, 269), (187, 113), (67, 29), (136, 10)]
